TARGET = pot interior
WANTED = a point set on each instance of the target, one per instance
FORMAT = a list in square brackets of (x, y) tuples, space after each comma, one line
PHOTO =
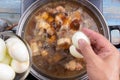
[(43, 29)]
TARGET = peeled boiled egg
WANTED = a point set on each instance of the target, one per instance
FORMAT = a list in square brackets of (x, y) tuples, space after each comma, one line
[(77, 36), (6, 72), (19, 67), (74, 52), (2, 49), (17, 49), (7, 59)]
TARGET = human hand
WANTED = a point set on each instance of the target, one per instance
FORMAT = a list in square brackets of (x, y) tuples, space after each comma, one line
[(102, 58)]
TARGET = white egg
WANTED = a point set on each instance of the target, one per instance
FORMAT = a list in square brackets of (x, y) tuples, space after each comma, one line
[(7, 59), (19, 67), (77, 36), (2, 49), (74, 52), (6, 72), (17, 49)]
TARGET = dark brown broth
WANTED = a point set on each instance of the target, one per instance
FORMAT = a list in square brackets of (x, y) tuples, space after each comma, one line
[(44, 64)]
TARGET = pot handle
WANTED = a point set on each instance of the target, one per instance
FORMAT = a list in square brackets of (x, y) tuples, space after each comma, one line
[(6, 25), (84, 77), (115, 35)]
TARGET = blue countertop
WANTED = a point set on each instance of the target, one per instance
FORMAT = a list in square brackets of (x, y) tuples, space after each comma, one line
[(11, 10), (111, 11)]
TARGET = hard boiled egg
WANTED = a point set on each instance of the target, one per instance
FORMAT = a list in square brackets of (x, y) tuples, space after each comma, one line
[(2, 49), (6, 72), (77, 36), (74, 52), (19, 67), (7, 59), (17, 49)]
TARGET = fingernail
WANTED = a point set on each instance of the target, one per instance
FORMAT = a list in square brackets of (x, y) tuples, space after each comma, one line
[(81, 42)]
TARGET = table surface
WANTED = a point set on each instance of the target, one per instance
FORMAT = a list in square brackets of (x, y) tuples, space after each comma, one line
[(11, 9), (111, 11)]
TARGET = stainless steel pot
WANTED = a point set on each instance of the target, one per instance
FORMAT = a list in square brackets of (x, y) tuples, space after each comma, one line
[(89, 7)]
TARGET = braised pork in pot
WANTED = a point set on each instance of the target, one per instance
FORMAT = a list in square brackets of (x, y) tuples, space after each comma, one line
[(49, 36)]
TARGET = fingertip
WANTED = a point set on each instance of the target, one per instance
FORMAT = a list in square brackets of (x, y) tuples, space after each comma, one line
[(81, 43), (86, 49)]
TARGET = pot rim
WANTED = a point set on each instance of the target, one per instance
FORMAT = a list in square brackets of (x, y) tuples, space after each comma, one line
[(94, 9)]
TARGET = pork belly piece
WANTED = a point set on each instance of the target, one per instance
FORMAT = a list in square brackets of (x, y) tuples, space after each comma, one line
[(50, 31), (45, 15), (76, 15), (44, 53), (73, 65), (34, 47), (51, 39), (60, 9), (64, 43), (42, 24)]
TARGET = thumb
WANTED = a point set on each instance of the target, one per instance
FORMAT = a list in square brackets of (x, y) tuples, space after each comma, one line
[(87, 51)]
